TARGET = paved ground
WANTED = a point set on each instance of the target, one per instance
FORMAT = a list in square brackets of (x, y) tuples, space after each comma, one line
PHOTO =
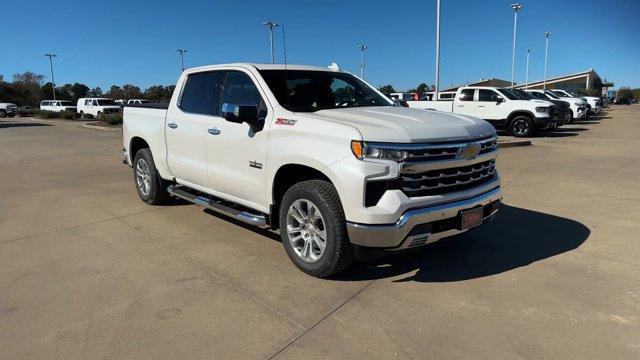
[(88, 271)]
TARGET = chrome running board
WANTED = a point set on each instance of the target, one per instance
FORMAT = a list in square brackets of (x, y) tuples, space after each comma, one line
[(218, 206)]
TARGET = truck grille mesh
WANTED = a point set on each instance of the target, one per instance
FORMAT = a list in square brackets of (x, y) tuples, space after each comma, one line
[(436, 182)]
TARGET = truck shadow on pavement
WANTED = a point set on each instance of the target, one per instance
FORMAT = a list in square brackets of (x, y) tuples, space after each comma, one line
[(4, 125), (517, 237)]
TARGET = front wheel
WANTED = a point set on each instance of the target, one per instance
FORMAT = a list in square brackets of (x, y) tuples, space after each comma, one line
[(521, 126), (150, 186), (313, 228)]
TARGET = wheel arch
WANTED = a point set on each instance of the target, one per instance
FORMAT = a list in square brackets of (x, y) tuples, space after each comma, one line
[(136, 144), (286, 176)]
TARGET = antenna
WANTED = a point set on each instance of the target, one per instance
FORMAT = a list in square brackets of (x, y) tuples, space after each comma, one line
[(286, 72)]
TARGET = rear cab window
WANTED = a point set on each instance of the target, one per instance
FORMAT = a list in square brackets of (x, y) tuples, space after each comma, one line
[(201, 93), (467, 94)]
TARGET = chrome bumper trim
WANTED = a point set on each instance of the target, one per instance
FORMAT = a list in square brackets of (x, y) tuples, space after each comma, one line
[(395, 235)]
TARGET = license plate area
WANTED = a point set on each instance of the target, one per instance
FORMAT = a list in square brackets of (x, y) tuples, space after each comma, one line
[(471, 218)]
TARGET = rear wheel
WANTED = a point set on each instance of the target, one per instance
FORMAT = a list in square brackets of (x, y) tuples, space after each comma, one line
[(150, 186), (81, 114), (521, 126), (3, 113), (313, 228)]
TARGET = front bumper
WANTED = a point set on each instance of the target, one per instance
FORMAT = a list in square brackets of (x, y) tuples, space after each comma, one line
[(546, 122), (421, 226)]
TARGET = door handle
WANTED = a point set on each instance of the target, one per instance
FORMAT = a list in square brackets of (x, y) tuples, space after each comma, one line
[(460, 105), (213, 131), (172, 125), (480, 105)]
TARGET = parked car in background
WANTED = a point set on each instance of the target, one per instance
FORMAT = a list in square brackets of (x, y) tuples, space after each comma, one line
[(97, 106), (138, 101), (622, 101), (594, 102), (503, 108), (317, 153), (26, 110), (121, 102), (442, 96), (563, 107), (578, 106), (57, 105), (7, 109)]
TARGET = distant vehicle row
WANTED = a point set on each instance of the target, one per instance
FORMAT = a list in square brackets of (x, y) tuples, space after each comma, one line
[(521, 112)]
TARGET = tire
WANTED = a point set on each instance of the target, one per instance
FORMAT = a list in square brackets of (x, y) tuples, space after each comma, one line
[(98, 114), (149, 185), (521, 126), (338, 251), (3, 113), (570, 117), (81, 114)]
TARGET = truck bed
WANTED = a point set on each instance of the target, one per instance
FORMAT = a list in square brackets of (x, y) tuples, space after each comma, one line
[(164, 106)]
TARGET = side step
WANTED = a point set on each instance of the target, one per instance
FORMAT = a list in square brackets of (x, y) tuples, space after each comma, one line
[(218, 206)]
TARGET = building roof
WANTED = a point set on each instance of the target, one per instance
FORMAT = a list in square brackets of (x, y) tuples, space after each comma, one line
[(560, 78), (482, 82)]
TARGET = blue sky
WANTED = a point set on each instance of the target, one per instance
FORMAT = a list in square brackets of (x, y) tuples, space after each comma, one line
[(117, 42)]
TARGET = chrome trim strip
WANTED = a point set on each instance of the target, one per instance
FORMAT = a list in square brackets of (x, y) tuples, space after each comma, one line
[(393, 235), (420, 146), (419, 167)]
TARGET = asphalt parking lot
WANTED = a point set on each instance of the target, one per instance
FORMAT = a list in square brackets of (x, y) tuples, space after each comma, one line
[(89, 271)]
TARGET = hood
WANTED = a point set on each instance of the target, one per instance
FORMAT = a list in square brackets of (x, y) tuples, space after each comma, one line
[(542, 102), (407, 125)]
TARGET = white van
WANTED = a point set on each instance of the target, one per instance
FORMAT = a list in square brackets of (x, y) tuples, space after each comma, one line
[(97, 106), (57, 105)]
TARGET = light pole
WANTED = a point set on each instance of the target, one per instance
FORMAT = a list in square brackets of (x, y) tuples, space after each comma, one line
[(516, 7), (362, 48), (182, 51), (435, 98), (546, 51), (271, 25), (53, 81), (526, 75)]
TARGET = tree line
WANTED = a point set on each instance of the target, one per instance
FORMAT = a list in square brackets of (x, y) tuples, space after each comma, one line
[(420, 89), (29, 88)]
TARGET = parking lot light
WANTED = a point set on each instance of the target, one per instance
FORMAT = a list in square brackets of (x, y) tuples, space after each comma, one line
[(271, 25), (526, 75), (547, 34), (53, 81), (516, 7), (182, 51), (362, 49)]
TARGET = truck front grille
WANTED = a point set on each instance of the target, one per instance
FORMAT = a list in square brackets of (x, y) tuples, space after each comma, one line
[(436, 182), (436, 169)]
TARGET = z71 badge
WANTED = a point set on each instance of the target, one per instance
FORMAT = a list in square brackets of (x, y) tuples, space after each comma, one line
[(281, 121)]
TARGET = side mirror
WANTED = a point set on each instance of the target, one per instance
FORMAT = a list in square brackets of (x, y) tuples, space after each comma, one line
[(499, 99), (242, 113)]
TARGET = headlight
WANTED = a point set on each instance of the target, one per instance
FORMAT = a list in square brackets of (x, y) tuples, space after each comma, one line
[(542, 109), (367, 151)]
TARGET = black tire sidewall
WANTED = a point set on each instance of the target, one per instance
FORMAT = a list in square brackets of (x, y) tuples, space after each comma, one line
[(528, 120), (153, 172), (299, 193)]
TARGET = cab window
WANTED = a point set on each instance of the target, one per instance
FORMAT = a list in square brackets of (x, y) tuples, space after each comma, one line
[(487, 95), (201, 93), (466, 95)]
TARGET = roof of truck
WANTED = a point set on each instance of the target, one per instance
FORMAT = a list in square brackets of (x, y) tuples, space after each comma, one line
[(263, 67)]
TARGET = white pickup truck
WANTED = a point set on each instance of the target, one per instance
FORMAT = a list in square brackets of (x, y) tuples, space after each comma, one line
[(500, 107), (318, 154)]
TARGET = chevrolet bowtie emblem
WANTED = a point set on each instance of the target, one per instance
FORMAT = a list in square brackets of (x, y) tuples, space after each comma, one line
[(469, 151)]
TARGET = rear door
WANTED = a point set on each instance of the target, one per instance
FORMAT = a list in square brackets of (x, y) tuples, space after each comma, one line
[(186, 124), (464, 104)]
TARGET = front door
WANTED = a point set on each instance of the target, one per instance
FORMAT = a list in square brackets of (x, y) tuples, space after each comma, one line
[(186, 124), (236, 156), (465, 105)]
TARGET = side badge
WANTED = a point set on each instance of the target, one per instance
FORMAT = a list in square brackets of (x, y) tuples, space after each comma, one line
[(289, 122), (255, 164)]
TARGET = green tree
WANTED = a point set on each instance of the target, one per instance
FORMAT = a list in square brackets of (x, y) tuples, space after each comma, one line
[(131, 92), (78, 91), (624, 93), (115, 92), (387, 89), (95, 92)]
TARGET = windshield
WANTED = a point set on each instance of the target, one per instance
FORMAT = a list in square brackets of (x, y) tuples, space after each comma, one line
[(524, 95), (551, 94), (106, 102), (309, 91), (561, 94), (509, 94)]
